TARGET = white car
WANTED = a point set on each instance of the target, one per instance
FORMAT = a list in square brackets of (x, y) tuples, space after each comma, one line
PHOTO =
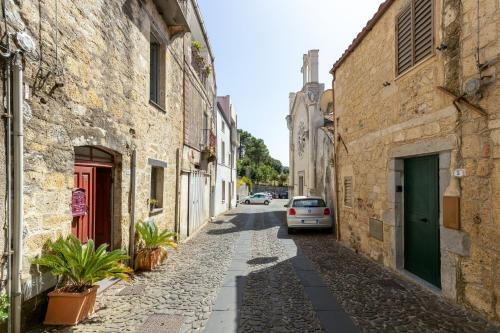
[(257, 198), (267, 194), (308, 212)]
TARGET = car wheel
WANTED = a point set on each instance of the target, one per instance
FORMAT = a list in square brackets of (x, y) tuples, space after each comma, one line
[(266, 202), (329, 230), (247, 202)]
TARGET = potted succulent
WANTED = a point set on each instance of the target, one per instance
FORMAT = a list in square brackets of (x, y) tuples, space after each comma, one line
[(153, 244), (78, 268)]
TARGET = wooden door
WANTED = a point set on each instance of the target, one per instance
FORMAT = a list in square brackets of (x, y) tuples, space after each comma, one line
[(301, 185), (421, 218), (82, 227), (102, 210)]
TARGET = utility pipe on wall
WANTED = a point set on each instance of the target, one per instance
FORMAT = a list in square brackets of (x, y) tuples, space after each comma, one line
[(131, 243), (18, 206), (8, 185)]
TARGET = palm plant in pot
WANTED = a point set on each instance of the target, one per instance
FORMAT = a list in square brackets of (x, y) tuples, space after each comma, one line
[(78, 268), (153, 245)]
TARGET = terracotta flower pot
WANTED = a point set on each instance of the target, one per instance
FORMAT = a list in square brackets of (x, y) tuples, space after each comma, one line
[(70, 308), (148, 260)]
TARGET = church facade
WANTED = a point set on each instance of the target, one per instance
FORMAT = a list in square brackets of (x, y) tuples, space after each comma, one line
[(310, 127)]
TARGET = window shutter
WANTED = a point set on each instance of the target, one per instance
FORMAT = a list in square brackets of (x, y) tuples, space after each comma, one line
[(348, 191), (414, 34), (404, 41), (423, 29), (154, 76)]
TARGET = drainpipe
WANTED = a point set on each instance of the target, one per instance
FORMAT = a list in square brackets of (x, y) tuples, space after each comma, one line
[(336, 166), (8, 180), (131, 241), (177, 190), (17, 110)]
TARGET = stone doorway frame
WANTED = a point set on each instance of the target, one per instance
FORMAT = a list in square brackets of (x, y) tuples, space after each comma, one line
[(395, 217)]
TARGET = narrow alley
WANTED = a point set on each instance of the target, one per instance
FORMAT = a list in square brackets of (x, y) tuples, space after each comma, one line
[(244, 273)]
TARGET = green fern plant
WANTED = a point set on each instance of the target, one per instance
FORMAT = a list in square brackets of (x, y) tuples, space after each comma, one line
[(79, 266), (151, 238)]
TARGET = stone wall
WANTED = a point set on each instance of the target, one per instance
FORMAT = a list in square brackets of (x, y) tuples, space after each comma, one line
[(382, 124), (479, 286), (95, 93)]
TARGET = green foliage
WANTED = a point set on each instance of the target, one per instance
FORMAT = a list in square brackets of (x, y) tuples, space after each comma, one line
[(196, 44), (257, 164), (153, 202), (79, 267), (4, 307), (151, 238), (264, 173), (208, 69), (245, 180)]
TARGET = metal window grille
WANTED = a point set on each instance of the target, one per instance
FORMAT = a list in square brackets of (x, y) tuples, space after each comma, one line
[(348, 191)]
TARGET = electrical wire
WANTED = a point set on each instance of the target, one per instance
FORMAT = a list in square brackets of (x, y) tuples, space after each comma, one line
[(478, 62)]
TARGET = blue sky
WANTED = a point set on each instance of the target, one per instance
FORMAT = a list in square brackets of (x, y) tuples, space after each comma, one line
[(258, 47)]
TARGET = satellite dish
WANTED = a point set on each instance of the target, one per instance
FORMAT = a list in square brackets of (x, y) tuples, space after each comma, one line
[(25, 42)]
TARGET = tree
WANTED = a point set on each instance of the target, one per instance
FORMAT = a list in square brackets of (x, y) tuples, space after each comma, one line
[(256, 163)]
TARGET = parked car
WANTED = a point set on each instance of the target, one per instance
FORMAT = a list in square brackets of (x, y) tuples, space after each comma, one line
[(268, 195), (257, 198), (283, 195), (308, 212)]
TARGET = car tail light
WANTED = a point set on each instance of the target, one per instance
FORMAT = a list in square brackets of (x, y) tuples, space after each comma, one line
[(292, 212), (326, 211)]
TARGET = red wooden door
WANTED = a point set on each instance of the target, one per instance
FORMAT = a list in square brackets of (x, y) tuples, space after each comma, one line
[(102, 211), (83, 226)]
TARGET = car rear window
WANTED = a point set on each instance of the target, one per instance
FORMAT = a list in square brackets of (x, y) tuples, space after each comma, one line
[(309, 203)]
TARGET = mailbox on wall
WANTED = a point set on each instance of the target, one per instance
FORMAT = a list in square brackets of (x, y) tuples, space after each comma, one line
[(451, 212)]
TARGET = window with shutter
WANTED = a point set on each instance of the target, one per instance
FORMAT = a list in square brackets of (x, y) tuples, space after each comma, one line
[(414, 34), (154, 70), (348, 191)]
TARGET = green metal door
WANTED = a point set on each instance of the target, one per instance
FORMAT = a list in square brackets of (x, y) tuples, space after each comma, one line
[(421, 218)]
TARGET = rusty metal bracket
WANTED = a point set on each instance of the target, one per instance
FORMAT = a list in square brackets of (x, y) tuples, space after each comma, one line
[(462, 99), (343, 142)]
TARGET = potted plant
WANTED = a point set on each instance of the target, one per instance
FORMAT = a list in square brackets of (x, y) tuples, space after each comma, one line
[(152, 245), (78, 268), (153, 203)]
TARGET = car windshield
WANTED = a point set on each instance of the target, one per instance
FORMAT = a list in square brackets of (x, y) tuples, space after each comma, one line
[(309, 203)]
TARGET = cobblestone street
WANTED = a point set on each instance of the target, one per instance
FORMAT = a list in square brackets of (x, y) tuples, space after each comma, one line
[(244, 273)]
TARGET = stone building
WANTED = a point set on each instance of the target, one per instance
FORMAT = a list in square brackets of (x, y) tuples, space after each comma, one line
[(197, 178), (417, 122), (310, 161), (227, 149), (118, 112)]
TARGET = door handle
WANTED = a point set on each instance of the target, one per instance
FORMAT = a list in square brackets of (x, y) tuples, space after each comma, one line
[(424, 220)]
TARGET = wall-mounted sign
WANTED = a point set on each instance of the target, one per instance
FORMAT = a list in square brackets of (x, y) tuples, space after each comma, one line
[(79, 202), (459, 173)]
